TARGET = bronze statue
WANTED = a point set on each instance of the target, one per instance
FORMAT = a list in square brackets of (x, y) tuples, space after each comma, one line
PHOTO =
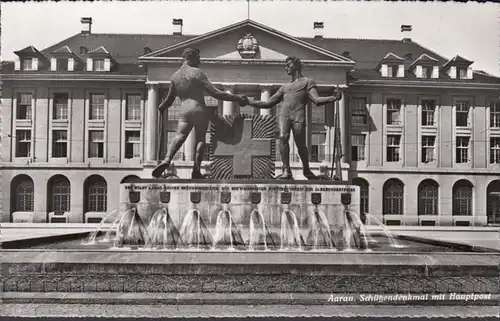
[(295, 95), (190, 83)]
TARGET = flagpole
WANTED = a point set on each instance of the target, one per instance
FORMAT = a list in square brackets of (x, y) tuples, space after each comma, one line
[(248, 9)]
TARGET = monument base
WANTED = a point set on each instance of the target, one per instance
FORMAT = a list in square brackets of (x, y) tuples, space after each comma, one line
[(298, 213)]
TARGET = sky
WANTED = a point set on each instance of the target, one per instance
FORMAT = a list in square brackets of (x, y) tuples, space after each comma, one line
[(470, 29)]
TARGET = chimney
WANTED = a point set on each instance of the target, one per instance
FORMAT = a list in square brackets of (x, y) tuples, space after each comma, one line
[(406, 30), (318, 29), (178, 23), (86, 25)]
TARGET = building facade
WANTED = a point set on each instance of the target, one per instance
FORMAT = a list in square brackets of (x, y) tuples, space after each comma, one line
[(420, 133)]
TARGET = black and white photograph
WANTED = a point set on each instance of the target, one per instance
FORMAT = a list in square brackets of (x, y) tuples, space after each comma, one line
[(249, 159)]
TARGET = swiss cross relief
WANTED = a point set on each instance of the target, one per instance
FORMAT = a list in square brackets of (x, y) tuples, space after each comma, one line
[(243, 147)]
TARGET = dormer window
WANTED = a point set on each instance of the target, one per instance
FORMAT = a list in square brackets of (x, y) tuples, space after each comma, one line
[(27, 64), (62, 64), (98, 65), (425, 67), (99, 59), (392, 71), (392, 66), (458, 68)]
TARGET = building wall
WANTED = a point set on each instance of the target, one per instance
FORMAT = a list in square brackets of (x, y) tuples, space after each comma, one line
[(376, 169)]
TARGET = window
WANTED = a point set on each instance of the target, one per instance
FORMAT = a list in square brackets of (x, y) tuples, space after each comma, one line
[(495, 115), (59, 194), (462, 152), (98, 64), (494, 150), (23, 194), (96, 192), (318, 114), (318, 147), (493, 202), (393, 197), (428, 198), (426, 72), (24, 110), (132, 144), (462, 73), (96, 144), (393, 111), (133, 106), (60, 143), (393, 142), (428, 113), (358, 111), (462, 113), (392, 71), (23, 143), (357, 148), (96, 106), (428, 143), (62, 64), (363, 194), (462, 198), (60, 108), (27, 64)]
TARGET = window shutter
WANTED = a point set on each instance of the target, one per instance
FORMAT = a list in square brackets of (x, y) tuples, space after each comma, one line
[(89, 64), (469, 73), (435, 72), (35, 63), (418, 71), (53, 64), (71, 64), (107, 64), (453, 72), (17, 64), (383, 70), (401, 71)]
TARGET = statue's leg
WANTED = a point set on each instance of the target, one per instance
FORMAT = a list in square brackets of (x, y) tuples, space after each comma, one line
[(285, 126), (299, 135), (200, 131), (183, 130)]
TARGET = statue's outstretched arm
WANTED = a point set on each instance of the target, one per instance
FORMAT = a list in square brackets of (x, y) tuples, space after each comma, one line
[(216, 93), (169, 100), (270, 103), (318, 101)]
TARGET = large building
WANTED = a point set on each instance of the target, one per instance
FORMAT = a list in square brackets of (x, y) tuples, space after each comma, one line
[(420, 132)]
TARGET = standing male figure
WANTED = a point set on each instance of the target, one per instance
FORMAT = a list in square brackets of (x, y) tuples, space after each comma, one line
[(295, 95), (190, 84)]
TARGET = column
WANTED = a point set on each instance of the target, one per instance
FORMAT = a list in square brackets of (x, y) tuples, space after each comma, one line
[(343, 131), (190, 146), (229, 107), (40, 120), (265, 94), (151, 124)]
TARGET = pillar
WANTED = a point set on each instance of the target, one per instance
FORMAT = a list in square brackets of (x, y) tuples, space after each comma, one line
[(151, 131), (228, 107), (343, 131), (265, 94), (190, 146)]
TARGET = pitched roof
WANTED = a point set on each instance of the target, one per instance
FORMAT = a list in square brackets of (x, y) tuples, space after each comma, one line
[(62, 50), (390, 55), (457, 60), (99, 50), (28, 50)]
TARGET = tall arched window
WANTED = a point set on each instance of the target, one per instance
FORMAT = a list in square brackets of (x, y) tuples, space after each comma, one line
[(462, 198), (59, 194), (96, 194), (493, 202), (363, 194), (428, 198), (393, 196), (22, 194)]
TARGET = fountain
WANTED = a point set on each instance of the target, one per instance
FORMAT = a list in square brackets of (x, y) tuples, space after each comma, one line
[(236, 239)]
